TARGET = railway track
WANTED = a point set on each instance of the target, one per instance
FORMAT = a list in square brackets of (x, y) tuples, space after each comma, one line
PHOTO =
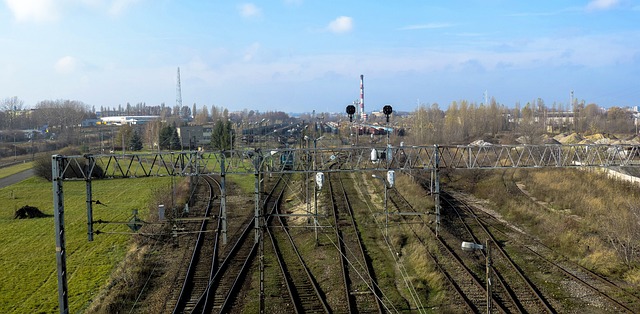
[(511, 287), (470, 292), (216, 271), (514, 288), (605, 293), (203, 259), (218, 288), (227, 279), (361, 288), (301, 287)]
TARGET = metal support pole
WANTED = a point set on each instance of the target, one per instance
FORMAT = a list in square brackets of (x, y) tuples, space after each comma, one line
[(258, 226), (57, 171), (386, 211), (315, 212), (88, 172), (306, 182), (193, 179), (488, 277), (315, 193), (256, 215), (223, 200), (262, 303), (257, 164), (437, 188)]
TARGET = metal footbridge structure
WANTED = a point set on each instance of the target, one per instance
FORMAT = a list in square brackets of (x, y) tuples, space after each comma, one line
[(259, 162)]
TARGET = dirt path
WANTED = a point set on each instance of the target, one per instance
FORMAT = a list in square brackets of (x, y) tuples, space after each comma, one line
[(15, 178)]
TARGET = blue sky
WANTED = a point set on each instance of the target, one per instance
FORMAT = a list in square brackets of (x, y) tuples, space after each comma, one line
[(303, 55)]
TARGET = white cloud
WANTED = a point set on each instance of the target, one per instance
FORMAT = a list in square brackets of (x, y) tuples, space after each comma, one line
[(66, 65), (249, 10), (342, 24), (34, 10), (595, 5)]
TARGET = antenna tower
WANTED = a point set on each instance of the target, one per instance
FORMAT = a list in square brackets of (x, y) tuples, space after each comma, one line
[(178, 91), (362, 114)]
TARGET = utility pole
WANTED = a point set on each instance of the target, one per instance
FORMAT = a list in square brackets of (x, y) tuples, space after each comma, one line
[(57, 175)]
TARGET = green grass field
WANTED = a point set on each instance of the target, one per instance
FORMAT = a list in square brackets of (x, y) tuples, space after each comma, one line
[(5, 172), (27, 247)]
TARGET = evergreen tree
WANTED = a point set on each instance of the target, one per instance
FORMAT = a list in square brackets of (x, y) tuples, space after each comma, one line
[(175, 139), (164, 139), (135, 142), (216, 135), (169, 138), (221, 135)]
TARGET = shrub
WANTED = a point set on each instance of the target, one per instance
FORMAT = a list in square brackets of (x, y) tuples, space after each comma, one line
[(42, 166)]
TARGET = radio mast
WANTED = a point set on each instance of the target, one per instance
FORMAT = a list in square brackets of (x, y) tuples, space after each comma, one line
[(178, 92)]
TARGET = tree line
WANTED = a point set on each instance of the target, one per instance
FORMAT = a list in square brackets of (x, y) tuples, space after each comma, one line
[(461, 122), (465, 121)]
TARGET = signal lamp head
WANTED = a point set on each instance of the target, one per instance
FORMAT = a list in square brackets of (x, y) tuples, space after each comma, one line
[(351, 109), (387, 110)]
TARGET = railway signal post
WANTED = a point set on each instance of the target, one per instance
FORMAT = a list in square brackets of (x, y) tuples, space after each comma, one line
[(470, 246)]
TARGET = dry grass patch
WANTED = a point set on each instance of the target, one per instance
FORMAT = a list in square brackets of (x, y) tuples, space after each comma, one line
[(587, 217)]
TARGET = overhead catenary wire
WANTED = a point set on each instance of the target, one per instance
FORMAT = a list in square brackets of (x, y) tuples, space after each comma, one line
[(392, 250), (364, 279), (399, 265)]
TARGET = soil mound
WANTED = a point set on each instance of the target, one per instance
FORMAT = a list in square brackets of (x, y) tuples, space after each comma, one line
[(27, 212), (573, 138)]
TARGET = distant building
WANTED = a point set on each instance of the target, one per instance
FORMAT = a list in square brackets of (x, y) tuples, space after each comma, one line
[(195, 135), (131, 120)]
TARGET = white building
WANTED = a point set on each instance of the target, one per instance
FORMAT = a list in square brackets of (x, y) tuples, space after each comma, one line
[(122, 120)]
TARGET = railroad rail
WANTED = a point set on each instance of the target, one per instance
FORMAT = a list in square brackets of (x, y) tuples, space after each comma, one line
[(470, 291), (203, 259), (610, 292), (517, 293), (193, 163), (301, 286), (362, 291), (601, 291)]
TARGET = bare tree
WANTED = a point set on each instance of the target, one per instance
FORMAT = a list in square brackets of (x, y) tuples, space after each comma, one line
[(619, 120), (11, 106), (623, 233), (202, 117), (152, 133)]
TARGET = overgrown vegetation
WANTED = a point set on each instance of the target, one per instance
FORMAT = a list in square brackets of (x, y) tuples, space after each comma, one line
[(146, 262), (588, 218)]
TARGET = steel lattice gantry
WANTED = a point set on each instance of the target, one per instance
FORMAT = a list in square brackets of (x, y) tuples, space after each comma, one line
[(255, 162), (188, 163)]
